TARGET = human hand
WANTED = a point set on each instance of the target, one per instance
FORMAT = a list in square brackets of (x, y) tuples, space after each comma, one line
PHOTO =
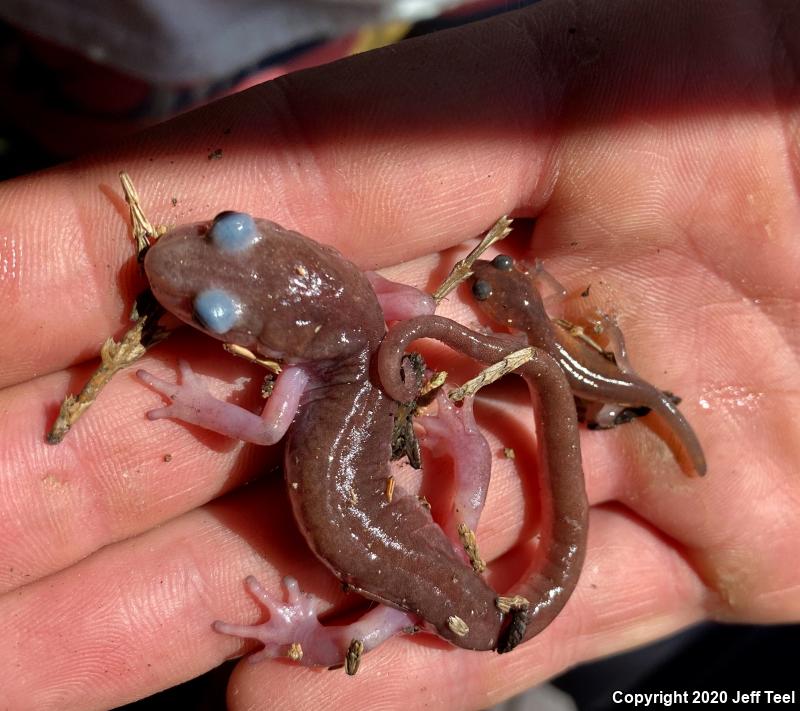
[(658, 147)]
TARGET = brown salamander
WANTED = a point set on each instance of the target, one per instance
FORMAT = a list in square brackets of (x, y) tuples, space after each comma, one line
[(509, 295), (283, 296)]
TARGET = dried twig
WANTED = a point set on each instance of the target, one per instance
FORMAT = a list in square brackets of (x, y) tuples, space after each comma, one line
[(579, 333), (352, 659), (143, 230), (295, 652), (467, 537), (144, 333), (436, 381), (506, 604), (494, 372), (462, 268), (247, 354)]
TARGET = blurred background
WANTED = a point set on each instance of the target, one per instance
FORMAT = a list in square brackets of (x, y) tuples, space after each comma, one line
[(76, 76)]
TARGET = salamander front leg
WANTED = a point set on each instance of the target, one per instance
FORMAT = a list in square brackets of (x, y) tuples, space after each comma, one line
[(399, 301), (192, 402), (293, 629)]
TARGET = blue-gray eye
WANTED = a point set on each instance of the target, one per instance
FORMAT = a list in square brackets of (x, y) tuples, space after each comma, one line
[(233, 231), (216, 310), (503, 262), (481, 289)]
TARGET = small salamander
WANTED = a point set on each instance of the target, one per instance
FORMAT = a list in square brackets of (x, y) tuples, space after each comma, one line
[(283, 296), (501, 288)]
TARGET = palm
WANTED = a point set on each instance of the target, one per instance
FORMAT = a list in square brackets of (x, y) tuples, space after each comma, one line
[(663, 170)]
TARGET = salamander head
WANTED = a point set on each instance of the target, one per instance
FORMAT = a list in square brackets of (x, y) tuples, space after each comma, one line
[(252, 282), (505, 292)]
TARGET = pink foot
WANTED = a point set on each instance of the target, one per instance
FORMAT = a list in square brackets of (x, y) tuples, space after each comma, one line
[(294, 630), (454, 432), (193, 403), (188, 397)]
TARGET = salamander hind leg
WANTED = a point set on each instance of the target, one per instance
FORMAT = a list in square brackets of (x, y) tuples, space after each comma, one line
[(605, 416), (294, 631), (453, 432)]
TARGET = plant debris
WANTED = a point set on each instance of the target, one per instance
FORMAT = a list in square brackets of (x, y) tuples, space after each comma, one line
[(463, 268), (144, 333)]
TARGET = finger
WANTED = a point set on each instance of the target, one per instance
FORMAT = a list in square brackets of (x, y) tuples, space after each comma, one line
[(118, 473), (136, 616)]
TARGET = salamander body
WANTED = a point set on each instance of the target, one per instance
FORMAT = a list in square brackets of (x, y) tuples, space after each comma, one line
[(283, 296)]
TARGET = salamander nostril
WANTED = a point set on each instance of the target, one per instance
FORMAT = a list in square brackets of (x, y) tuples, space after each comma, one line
[(481, 289), (503, 262)]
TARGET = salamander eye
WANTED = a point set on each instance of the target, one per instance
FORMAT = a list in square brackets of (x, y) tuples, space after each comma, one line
[(503, 262), (233, 231), (481, 289), (216, 310)]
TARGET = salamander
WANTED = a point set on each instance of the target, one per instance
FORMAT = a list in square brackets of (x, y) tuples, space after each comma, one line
[(507, 293), (284, 296)]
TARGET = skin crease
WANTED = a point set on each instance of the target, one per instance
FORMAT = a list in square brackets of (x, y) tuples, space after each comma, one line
[(669, 181)]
